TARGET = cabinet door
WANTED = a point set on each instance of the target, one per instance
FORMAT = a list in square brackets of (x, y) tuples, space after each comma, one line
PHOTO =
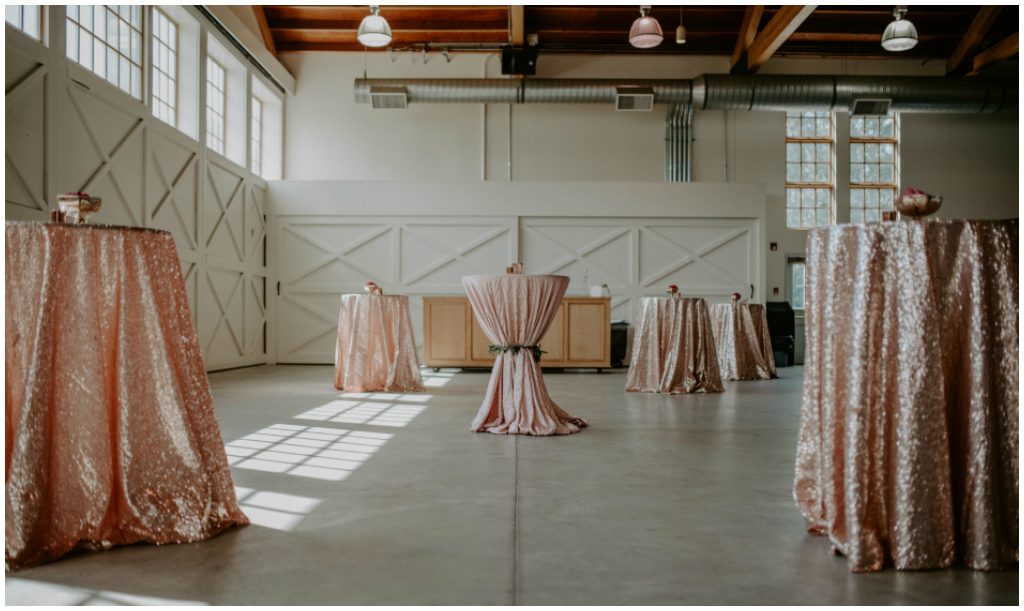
[(589, 332), (481, 348), (553, 342), (446, 322)]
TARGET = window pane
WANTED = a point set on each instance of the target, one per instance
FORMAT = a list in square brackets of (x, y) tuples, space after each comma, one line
[(807, 217), (822, 152), (871, 152), (885, 173), (807, 130), (821, 173), (792, 151), (824, 129), (871, 172), (857, 153), (871, 127), (856, 127), (856, 172), (807, 152), (792, 198), (887, 128), (807, 198), (824, 197), (871, 215), (792, 128), (792, 172), (856, 215), (870, 198), (793, 217), (885, 152), (106, 45), (822, 217), (807, 172), (856, 198)]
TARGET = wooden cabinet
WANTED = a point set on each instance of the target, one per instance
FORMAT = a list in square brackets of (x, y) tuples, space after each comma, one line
[(579, 335)]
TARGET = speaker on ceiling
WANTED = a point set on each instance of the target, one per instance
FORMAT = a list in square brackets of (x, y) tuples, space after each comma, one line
[(519, 60)]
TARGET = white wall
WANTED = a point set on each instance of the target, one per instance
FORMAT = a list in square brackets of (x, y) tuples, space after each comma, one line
[(421, 238), (970, 159), (69, 130)]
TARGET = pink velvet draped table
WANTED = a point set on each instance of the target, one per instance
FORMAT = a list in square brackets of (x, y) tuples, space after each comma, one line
[(111, 436), (743, 343), (514, 312), (376, 348), (908, 443), (674, 348)]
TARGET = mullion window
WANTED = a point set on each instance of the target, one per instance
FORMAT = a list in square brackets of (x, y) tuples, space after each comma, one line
[(874, 166), (256, 139), (25, 18), (810, 169), (165, 68), (107, 40), (215, 105)]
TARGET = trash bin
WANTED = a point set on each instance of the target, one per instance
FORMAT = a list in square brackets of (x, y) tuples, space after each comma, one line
[(782, 329), (618, 352)]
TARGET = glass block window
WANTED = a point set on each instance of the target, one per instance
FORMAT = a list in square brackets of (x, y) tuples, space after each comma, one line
[(874, 166), (810, 164), (25, 18), (256, 138), (165, 68), (107, 40), (215, 105)]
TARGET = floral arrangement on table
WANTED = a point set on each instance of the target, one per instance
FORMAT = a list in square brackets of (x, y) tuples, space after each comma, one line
[(673, 291), (75, 207), (372, 288), (915, 203)]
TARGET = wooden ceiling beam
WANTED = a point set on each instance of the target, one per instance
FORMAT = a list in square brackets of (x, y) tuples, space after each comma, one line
[(399, 38), (748, 31), (516, 25), (268, 38), (786, 21), (982, 23), (1004, 49)]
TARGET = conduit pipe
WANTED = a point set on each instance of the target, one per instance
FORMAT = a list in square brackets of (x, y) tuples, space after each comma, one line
[(678, 123), (922, 94)]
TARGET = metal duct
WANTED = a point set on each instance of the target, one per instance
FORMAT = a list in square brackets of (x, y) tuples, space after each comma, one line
[(525, 91), (838, 93), (724, 92), (678, 122)]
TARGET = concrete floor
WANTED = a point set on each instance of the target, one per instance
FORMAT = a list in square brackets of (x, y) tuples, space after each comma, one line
[(663, 500)]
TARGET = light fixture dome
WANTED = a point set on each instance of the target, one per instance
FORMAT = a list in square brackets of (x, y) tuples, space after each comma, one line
[(900, 35), (646, 31), (374, 30)]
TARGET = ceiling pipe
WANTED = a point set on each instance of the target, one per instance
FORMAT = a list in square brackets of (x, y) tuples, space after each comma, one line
[(922, 94)]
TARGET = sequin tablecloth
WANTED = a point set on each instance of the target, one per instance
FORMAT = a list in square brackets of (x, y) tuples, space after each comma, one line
[(743, 343), (908, 442), (514, 312), (376, 348), (674, 348), (111, 436)]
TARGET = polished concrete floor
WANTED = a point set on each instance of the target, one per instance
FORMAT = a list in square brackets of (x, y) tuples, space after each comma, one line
[(389, 499)]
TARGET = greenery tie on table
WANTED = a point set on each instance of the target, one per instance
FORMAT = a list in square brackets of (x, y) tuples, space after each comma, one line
[(515, 348)]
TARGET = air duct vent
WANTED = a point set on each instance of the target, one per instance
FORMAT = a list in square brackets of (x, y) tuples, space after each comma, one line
[(870, 107), (634, 98), (388, 97)]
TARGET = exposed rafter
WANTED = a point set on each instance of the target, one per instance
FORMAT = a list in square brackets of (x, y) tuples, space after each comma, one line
[(1005, 49), (786, 21), (516, 25), (748, 30), (982, 23), (268, 37)]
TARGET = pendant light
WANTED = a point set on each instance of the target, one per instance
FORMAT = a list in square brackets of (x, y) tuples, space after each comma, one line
[(680, 30), (646, 31), (374, 30), (900, 35)]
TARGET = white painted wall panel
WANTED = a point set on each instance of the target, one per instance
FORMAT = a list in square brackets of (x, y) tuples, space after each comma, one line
[(68, 130)]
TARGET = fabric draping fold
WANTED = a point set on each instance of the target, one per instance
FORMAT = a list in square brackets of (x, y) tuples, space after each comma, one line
[(376, 349), (674, 348), (517, 310), (744, 346), (908, 443), (111, 436)]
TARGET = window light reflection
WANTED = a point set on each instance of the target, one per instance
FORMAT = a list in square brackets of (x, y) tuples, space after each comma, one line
[(364, 412), (316, 452), (274, 509), (18, 592)]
